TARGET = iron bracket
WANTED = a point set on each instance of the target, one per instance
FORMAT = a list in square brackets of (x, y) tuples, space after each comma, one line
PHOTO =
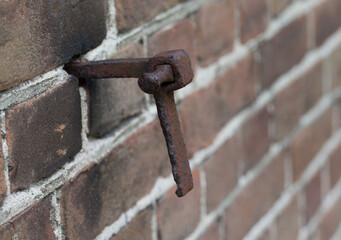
[(160, 75)]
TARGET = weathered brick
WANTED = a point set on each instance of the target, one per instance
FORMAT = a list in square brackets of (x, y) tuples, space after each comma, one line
[(3, 186), (212, 233), (288, 222), (331, 221), (46, 34), (130, 13), (222, 172), (255, 200), (327, 19), (335, 166), (33, 223), (215, 31), (178, 217), (334, 62), (255, 129), (98, 195), (205, 112), (43, 134), (283, 51), (277, 6), (308, 142), (139, 228), (113, 100), (179, 36), (295, 100), (253, 18), (313, 196)]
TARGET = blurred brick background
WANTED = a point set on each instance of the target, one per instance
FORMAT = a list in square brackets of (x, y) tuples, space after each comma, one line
[(261, 120)]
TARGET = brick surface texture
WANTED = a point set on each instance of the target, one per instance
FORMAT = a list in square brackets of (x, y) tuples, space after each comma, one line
[(295, 100), (3, 186), (283, 51), (33, 223), (46, 34), (180, 214), (253, 18), (255, 200), (87, 159), (113, 100), (43, 134), (139, 228), (134, 12), (212, 42), (101, 192)]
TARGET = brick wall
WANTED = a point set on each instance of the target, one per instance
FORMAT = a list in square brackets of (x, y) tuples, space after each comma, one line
[(261, 120)]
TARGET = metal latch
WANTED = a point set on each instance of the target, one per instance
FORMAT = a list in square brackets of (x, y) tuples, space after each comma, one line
[(159, 75)]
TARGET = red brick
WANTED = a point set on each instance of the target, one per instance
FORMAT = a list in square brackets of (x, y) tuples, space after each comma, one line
[(277, 6), (283, 51), (313, 196), (334, 62), (131, 13), (215, 31), (180, 36), (99, 194), (331, 221), (33, 223), (253, 18), (178, 217), (46, 34), (288, 222), (205, 112), (337, 114), (255, 200), (212, 233), (255, 129), (113, 100), (308, 142), (295, 100), (139, 228), (43, 134), (3, 186), (327, 19), (335, 166), (222, 172)]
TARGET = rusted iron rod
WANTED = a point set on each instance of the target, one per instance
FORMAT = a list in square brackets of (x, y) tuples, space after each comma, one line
[(115, 68), (160, 76)]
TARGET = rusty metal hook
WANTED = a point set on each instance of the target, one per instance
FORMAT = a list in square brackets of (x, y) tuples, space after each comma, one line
[(159, 75)]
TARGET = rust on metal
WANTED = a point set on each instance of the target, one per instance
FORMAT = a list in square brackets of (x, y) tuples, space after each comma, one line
[(115, 68), (160, 76)]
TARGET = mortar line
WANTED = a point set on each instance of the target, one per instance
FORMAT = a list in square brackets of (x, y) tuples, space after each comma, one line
[(203, 188), (55, 215), (5, 151), (32, 88), (154, 223), (85, 115)]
